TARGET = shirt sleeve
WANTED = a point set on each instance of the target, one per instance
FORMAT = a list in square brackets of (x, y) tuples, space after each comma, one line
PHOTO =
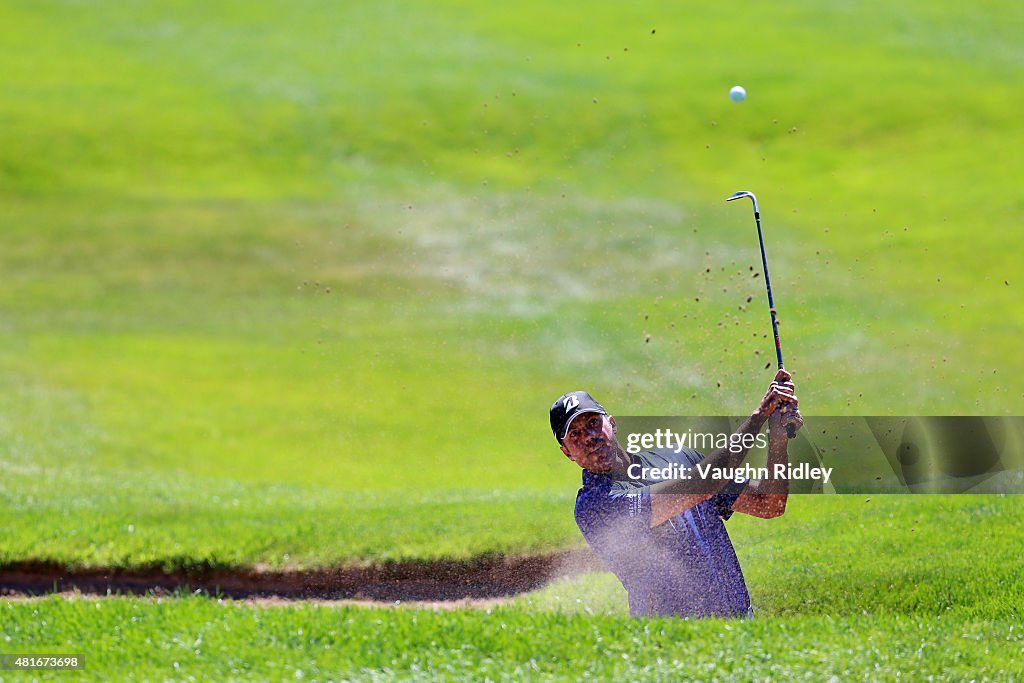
[(724, 499)]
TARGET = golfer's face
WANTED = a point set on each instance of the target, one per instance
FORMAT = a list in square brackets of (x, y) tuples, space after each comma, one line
[(590, 442)]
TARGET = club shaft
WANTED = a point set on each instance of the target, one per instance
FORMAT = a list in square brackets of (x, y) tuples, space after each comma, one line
[(768, 286), (790, 429)]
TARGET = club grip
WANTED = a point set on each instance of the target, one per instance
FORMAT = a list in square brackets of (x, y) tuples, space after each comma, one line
[(790, 429)]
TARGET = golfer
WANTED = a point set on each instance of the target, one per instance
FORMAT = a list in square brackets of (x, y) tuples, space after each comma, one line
[(666, 540)]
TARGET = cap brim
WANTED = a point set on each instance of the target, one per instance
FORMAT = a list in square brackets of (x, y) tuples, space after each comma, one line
[(582, 412)]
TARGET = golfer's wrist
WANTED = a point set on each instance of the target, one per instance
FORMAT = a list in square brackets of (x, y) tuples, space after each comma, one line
[(757, 420), (778, 439)]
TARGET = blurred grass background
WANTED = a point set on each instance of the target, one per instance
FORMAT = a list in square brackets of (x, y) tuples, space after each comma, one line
[(295, 283)]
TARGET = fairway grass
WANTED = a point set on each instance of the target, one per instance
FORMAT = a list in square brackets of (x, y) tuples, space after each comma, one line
[(291, 285), (504, 204)]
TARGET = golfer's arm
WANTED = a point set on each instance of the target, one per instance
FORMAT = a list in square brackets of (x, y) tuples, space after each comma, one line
[(670, 498), (767, 498)]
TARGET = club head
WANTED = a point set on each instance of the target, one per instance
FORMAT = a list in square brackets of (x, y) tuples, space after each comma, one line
[(740, 195)]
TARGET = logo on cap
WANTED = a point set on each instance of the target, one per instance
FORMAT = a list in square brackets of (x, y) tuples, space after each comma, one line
[(570, 402)]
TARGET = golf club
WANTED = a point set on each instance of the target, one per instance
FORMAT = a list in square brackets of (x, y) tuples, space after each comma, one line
[(790, 430)]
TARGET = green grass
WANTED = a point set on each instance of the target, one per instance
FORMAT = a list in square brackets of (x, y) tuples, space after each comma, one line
[(875, 589), (198, 638), (503, 202)]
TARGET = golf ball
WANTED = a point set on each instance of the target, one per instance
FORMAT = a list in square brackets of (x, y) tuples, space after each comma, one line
[(738, 93)]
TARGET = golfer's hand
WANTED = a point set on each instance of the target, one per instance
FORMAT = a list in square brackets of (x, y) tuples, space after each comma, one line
[(781, 392), (781, 419)]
